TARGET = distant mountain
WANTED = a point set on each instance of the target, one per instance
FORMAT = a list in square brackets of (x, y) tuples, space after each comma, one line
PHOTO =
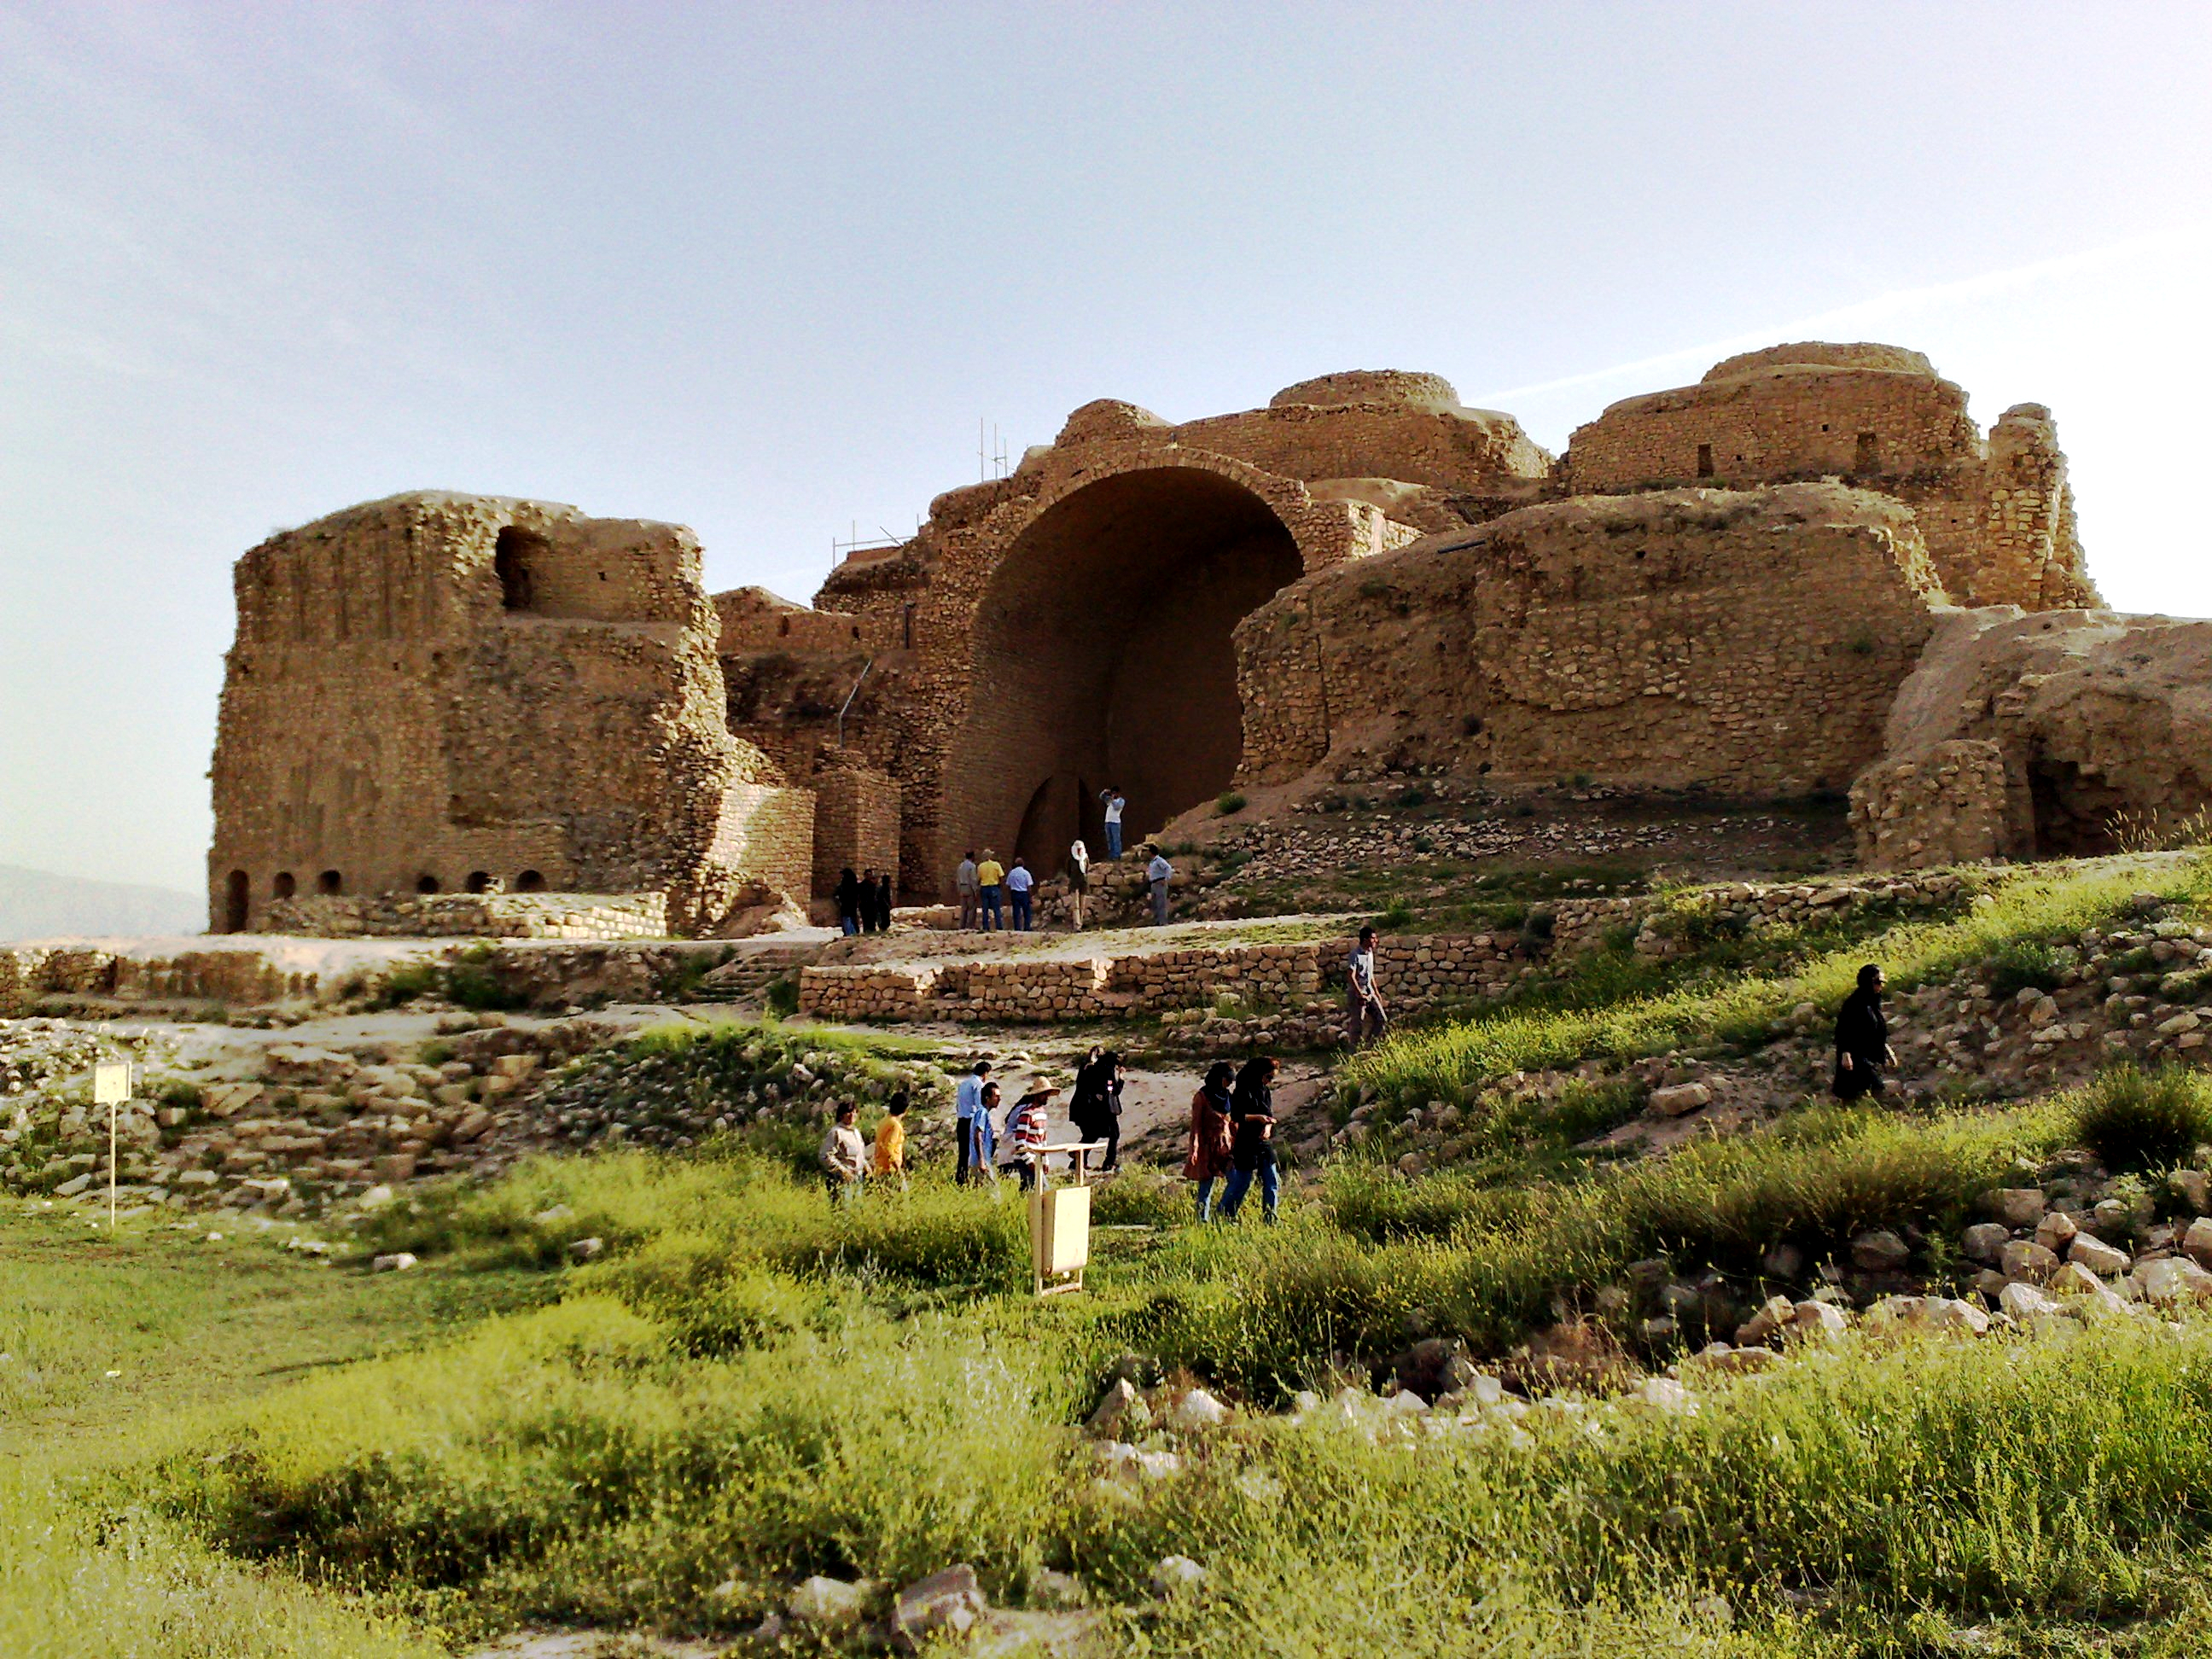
[(34, 904)]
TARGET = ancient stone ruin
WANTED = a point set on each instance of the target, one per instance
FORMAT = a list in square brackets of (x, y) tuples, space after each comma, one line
[(1810, 571)]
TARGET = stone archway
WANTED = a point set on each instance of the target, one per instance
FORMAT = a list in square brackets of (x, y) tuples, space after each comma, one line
[(1103, 654)]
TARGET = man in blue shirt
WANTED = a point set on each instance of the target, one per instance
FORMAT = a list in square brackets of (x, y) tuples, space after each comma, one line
[(968, 1101), (1019, 881)]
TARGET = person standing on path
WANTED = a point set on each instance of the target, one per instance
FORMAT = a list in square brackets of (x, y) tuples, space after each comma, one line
[(1019, 882), (1158, 873), (1097, 1108), (1365, 1003), (1111, 795), (884, 902), (847, 892), (1252, 1138), (867, 900), (990, 875), (1863, 1040), (843, 1155), (1078, 879), (890, 1142), (984, 1133), (1206, 1159), (966, 1100), (966, 885)]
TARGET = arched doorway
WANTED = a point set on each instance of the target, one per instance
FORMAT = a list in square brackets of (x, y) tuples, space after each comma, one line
[(1102, 655), (235, 902)]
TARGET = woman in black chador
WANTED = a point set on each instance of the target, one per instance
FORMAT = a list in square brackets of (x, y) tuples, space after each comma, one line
[(1863, 1040)]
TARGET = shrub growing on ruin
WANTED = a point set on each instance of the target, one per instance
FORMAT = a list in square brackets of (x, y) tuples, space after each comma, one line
[(1228, 803)]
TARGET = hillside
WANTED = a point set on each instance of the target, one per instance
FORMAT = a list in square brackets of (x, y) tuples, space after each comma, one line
[(38, 904)]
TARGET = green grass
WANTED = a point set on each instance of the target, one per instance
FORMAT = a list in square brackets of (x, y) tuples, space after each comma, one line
[(2138, 1119), (1620, 1018), (105, 1339)]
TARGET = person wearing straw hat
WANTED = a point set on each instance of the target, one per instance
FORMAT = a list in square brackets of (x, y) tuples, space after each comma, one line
[(1026, 1127)]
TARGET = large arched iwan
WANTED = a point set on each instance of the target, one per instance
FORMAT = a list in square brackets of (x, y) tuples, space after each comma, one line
[(1102, 655)]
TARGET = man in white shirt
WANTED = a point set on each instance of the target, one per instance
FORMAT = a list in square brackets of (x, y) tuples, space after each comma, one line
[(968, 1100), (1157, 873), (1112, 796), (1019, 882), (965, 882)]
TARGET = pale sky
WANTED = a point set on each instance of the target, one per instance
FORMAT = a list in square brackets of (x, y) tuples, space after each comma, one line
[(760, 270)]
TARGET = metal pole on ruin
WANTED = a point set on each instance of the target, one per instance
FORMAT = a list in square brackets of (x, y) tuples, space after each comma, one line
[(849, 696), (111, 1087)]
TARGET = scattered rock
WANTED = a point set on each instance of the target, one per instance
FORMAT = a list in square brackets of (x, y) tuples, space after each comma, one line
[(2091, 1252), (398, 1262), (947, 1602), (1985, 1241), (832, 1602), (585, 1249), (1197, 1409), (1879, 1251), (1677, 1100), (1176, 1575), (2017, 1206), (2024, 1259)]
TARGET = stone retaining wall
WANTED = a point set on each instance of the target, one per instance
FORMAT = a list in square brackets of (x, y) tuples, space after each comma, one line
[(475, 915), (1414, 972)]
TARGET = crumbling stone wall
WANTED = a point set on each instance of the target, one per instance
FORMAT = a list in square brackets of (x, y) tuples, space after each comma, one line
[(439, 692), (1943, 805), (1997, 518), (1744, 642), (2101, 725), (473, 915)]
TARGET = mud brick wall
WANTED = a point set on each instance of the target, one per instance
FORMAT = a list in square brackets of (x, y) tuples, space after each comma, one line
[(1748, 642)]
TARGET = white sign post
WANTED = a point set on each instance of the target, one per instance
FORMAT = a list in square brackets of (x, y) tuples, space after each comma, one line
[(111, 1087)]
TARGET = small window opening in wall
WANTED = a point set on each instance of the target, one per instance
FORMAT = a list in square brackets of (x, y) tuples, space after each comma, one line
[(1705, 460), (330, 883), (479, 881), (530, 882), (510, 560), (1868, 456), (234, 902), (783, 628), (909, 628), (426, 883), (283, 887)]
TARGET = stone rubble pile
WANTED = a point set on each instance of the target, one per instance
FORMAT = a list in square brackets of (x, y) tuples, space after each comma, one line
[(322, 1125)]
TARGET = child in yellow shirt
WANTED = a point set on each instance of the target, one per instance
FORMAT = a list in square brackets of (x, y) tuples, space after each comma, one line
[(891, 1140)]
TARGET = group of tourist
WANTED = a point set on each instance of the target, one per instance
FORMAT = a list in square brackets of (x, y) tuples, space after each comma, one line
[(987, 887), (1094, 1110), (848, 1163), (1232, 1137), (864, 901)]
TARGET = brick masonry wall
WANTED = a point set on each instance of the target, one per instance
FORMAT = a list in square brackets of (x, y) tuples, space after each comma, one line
[(856, 825), (1744, 642)]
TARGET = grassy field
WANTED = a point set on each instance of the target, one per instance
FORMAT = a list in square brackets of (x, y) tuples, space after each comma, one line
[(107, 1341), (215, 1448)]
